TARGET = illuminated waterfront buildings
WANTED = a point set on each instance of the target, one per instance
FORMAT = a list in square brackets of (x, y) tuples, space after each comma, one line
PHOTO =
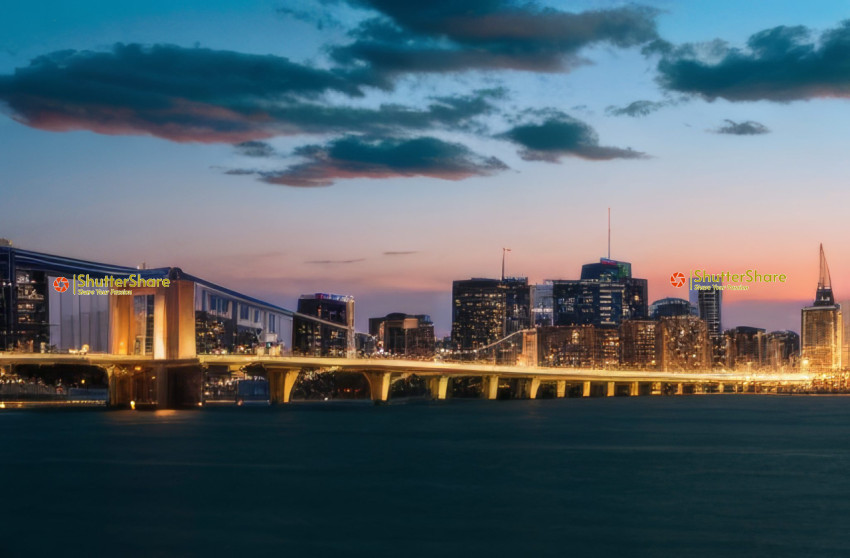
[(822, 331), (639, 344), (683, 344), (38, 315)]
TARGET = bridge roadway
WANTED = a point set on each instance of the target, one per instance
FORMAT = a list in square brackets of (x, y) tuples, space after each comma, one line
[(282, 373)]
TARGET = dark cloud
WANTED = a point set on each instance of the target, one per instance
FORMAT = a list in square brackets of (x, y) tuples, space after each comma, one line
[(748, 128), (357, 157), (166, 91), (209, 96), (450, 36), (254, 149), (328, 262), (557, 135), (401, 252), (779, 64), (320, 18), (637, 108)]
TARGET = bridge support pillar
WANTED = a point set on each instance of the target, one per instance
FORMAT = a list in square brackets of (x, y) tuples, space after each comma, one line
[(680, 389), (533, 388), (561, 388), (379, 385), (281, 383), (585, 389), (634, 389), (721, 388), (609, 389), (439, 386), (490, 387)]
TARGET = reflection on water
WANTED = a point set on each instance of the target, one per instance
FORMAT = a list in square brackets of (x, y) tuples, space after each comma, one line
[(692, 476)]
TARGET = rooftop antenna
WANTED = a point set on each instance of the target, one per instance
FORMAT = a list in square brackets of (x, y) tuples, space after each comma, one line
[(609, 233), (503, 261)]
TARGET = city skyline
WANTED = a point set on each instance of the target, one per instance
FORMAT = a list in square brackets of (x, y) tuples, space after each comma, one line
[(168, 135)]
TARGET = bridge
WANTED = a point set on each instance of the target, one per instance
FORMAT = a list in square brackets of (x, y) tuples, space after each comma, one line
[(179, 382)]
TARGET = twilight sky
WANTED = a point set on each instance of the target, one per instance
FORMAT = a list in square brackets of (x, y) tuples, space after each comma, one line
[(383, 149)]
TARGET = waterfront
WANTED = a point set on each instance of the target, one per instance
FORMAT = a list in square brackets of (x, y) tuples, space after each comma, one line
[(691, 476)]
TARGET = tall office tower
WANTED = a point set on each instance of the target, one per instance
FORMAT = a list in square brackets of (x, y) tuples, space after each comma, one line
[(783, 348), (403, 334), (486, 310), (709, 302), (822, 326), (334, 337), (542, 309), (669, 307), (605, 295)]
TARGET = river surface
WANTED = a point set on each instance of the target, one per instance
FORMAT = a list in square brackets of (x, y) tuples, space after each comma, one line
[(690, 476)]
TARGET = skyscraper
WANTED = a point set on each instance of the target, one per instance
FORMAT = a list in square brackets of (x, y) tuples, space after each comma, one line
[(822, 331), (486, 310), (605, 295), (709, 302), (478, 313)]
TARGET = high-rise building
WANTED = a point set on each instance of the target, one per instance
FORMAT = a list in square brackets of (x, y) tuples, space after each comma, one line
[(669, 307), (478, 313), (822, 332), (708, 298), (403, 335), (605, 295), (486, 310), (332, 334)]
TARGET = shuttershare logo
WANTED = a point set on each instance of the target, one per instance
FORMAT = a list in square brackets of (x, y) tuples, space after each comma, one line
[(677, 279), (702, 280), (61, 284)]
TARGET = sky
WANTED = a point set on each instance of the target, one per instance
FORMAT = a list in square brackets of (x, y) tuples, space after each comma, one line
[(383, 149)]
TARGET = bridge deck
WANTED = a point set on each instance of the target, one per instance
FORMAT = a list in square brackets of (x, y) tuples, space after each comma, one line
[(419, 367)]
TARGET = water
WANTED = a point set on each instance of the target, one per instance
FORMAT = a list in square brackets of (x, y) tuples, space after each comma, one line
[(641, 476)]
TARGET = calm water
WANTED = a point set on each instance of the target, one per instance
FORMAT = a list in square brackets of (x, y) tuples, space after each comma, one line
[(645, 476)]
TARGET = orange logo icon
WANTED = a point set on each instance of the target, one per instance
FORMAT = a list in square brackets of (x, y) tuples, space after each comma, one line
[(60, 284), (677, 279)]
